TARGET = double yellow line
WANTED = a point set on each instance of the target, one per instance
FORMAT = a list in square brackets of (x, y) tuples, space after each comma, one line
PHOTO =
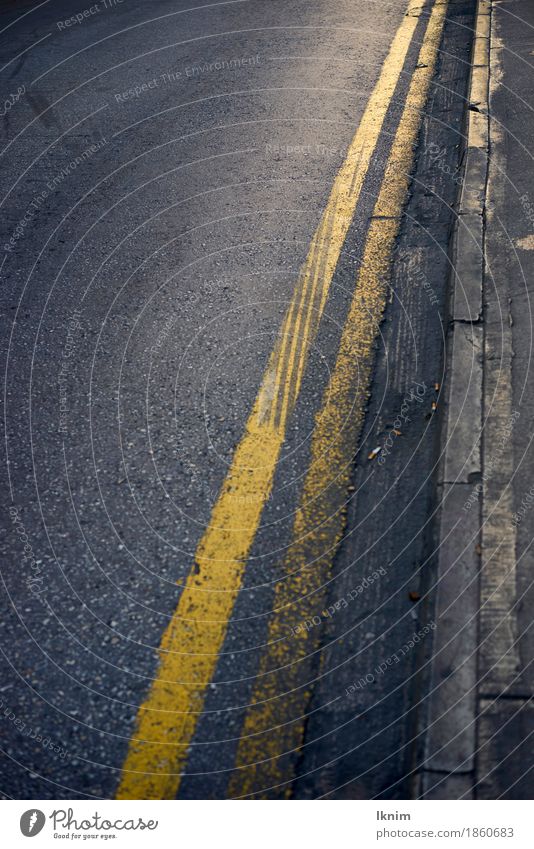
[(189, 648), (274, 725)]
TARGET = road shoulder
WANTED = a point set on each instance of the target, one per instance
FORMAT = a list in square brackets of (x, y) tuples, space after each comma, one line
[(479, 716)]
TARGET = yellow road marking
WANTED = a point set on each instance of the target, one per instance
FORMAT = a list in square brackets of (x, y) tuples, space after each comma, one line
[(477, 131), (274, 723), (167, 718)]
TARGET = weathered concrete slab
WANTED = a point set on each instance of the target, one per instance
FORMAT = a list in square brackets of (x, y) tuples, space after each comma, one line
[(464, 405), (468, 261), (506, 749), (450, 743)]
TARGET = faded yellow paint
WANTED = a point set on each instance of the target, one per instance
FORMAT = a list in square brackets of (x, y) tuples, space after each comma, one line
[(189, 648), (316, 275), (482, 24), (480, 52), (274, 724), (477, 131), (526, 243)]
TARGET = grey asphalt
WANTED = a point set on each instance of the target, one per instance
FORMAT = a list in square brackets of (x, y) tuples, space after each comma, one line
[(164, 167)]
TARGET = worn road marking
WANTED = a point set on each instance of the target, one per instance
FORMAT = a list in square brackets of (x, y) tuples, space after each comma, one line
[(189, 648), (274, 724)]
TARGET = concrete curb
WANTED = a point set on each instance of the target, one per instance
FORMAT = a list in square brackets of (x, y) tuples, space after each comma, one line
[(450, 742)]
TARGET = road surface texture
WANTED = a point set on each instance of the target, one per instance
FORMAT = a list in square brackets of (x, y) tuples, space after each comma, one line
[(226, 315)]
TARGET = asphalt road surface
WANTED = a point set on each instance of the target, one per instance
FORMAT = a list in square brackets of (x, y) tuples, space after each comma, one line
[(220, 295)]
